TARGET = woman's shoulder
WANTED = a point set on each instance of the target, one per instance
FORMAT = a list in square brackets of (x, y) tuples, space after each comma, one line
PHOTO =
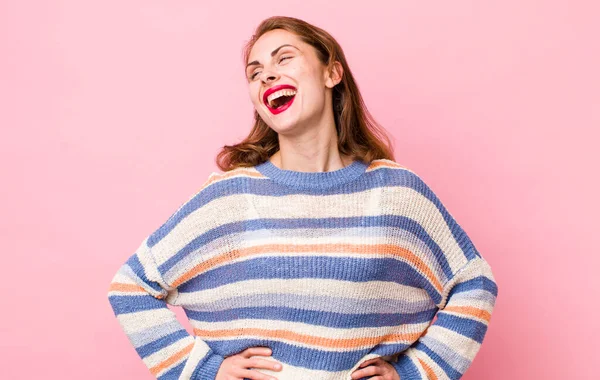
[(387, 164), (392, 168), (199, 203), (398, 174)]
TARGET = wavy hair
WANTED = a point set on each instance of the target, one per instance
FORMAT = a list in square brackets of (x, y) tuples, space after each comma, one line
[(359, 135)]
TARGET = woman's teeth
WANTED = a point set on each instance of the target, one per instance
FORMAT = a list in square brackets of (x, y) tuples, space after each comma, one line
[(278, 94)]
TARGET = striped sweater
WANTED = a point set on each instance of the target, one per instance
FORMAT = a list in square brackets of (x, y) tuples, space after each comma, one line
[(328, 269)]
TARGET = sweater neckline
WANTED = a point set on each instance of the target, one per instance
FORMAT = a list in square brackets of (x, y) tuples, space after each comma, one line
[(312, 180)]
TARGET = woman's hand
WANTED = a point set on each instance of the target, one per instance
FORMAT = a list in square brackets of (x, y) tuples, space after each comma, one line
[(235, 367), (380, 369)]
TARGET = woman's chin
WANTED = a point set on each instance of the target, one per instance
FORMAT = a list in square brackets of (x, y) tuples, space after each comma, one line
[(283, 128), (282, 122)]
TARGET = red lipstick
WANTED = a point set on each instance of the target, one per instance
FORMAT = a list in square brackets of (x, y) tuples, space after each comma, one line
[(273, 89)]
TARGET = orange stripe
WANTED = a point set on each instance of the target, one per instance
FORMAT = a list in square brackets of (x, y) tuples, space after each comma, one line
[(470, 311), (386, 164), (173, 359), (428, 370), (311, 340), (120, 287), (415, 261), (231, 173), (389, 249)]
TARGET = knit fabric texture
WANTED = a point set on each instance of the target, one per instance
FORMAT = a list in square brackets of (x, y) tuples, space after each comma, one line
[(328, 269)]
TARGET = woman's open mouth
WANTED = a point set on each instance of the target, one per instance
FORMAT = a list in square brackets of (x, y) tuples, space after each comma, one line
[(279, 98)]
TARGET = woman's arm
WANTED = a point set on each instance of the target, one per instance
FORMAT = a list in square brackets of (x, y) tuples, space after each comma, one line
[(462, 285), (138, 295), (450, 344)]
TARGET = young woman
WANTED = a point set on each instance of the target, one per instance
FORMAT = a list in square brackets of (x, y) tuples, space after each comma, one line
[(314, 255)]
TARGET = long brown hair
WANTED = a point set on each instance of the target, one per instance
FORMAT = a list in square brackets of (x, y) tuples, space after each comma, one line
[(359, 135)]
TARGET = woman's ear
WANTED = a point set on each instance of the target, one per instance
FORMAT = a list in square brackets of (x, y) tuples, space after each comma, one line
[(335, 74)]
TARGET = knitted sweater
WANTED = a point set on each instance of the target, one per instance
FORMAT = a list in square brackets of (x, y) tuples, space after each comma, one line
[(328, 269)]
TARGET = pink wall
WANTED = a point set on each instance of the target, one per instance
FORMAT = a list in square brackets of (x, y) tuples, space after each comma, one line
[(112, 113)]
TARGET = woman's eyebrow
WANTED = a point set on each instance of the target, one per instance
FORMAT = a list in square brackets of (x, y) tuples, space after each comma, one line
[(272, 54)]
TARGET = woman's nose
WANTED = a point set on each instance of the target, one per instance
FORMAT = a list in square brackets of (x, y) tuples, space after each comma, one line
[(269, 76)]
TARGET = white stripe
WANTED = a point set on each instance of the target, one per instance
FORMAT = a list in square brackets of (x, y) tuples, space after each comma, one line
[(462, 345), (141, 320), (371, 290), (199, 351)]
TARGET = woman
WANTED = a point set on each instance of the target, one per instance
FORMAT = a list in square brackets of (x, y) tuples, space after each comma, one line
[(314, 251)]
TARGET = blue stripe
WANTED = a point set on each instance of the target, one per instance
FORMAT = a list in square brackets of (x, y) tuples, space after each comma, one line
[(313, 317), (450, 371), (208, 367), (162, 342), (406, 368), (137, 267), (336, 268), (477, 283), (132, 304), (465, 326)]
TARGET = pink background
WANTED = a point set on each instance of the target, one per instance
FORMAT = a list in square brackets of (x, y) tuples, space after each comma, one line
[(112, 113)]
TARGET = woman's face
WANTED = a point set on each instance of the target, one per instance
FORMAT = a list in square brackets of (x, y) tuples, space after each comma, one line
[(280, 58)]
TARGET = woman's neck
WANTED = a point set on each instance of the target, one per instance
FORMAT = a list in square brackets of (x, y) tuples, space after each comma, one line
[(302, 163)]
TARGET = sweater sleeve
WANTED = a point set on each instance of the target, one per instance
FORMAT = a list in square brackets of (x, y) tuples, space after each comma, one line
[(449, 345), (465, 298), (139, 295)]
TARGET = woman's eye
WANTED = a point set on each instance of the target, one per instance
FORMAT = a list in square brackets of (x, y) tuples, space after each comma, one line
[(258, 72)]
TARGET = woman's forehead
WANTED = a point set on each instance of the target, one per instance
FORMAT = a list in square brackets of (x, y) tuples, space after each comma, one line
[(272, 40)]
